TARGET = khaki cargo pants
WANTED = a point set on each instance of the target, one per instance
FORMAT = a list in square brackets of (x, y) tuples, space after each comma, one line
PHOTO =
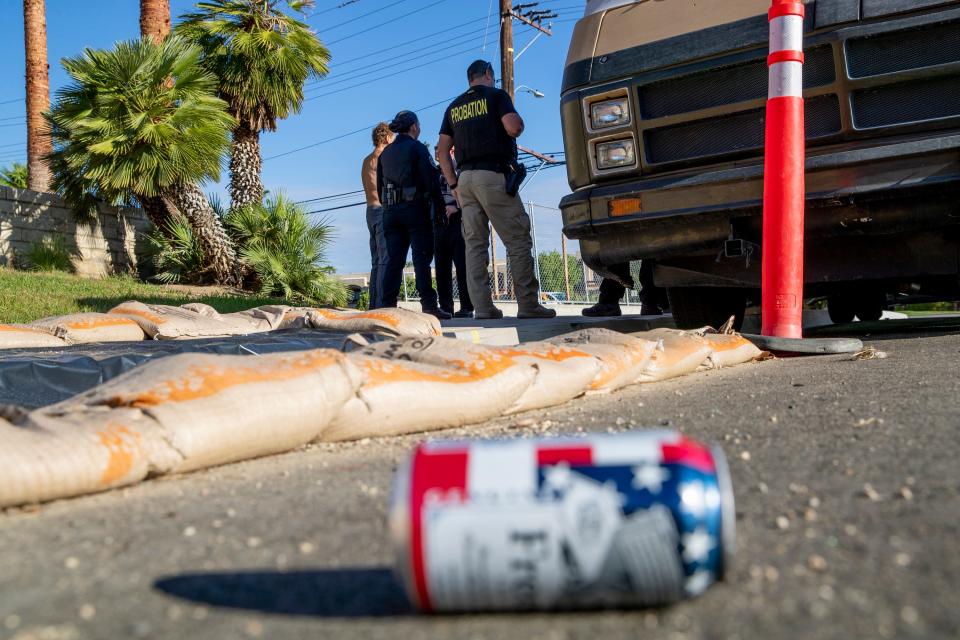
[(483, 198)]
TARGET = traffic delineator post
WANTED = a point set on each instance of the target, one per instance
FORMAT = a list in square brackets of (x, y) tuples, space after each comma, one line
[(783, 183)]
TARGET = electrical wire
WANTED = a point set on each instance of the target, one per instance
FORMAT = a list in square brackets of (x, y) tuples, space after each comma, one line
[(377, 26), (349, 133), (12, 101), (332, 197), (360, 17), (324, 85), (393, 73), (346, 206), (434, 47)]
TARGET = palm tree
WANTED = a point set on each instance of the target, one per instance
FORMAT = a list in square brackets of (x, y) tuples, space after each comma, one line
[(38, 93), (142, 122), (262, 57), (155, 19), (15, 176)]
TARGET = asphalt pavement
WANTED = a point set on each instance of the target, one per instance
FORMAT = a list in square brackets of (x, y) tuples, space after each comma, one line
[(848, 516)]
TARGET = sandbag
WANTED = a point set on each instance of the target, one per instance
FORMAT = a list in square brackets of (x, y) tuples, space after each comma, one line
[(220, 408), (562, 373), (730, 349), (18, 336), (84, 328), (44, 457), (390, 321), (260, 319), (623, 357), (399, 397), (678, 353), (164, 322)]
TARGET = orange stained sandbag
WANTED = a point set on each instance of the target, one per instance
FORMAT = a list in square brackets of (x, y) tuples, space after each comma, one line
[(18, 336), (622, 357), (562, 372), (221, 408), (392, 321), (399, 396), (84, 328)]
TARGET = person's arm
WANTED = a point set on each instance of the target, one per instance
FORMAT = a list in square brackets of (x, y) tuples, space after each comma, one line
[(429, 179), (512, 122), (444, 145), (369, 178)]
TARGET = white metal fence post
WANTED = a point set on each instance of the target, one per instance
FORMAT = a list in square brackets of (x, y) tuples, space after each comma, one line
[(536, 252)]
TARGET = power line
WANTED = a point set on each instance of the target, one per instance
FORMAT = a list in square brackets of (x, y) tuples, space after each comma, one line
[(349, 133), (333, 197), (14, 124), (324, 85), (13, 144), (346, 206), (11, 118), (377, 26), (433, 47), (403, 44), (360, 17), (372, 80), (12, 101)]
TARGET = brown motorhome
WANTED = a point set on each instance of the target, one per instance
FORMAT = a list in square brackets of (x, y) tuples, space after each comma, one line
[(663, 119)]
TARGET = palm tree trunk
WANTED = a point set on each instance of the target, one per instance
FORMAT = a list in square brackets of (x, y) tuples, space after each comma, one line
[(38, 93), (218, 249), (245, 164), (154, 19), (156, 211)]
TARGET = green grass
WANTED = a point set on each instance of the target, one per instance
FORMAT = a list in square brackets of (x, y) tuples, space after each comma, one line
[(26, 296)]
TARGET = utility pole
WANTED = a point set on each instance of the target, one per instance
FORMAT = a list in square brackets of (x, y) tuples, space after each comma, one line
[(525, 14), (506, 47)]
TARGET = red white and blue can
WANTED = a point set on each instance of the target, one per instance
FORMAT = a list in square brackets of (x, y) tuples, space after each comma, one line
[(626, 520)]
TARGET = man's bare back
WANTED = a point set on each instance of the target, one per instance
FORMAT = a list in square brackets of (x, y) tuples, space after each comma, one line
[(368, 177)]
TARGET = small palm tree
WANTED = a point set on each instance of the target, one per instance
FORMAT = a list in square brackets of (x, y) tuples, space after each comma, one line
[(261, 57), (142, 122), (286, 251), (14, 176)]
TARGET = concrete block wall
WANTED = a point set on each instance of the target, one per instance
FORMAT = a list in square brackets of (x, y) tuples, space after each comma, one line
[(105, 245)]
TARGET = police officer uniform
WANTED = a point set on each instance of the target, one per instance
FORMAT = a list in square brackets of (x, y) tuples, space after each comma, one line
[(485, 154), (408, 185)]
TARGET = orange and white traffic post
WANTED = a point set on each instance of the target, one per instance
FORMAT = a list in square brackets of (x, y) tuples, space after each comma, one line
[(783, 183)]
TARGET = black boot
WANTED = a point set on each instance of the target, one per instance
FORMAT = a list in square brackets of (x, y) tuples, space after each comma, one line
[(602, 310)]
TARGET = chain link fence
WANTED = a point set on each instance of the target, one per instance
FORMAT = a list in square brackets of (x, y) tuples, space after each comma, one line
[(563, 277)]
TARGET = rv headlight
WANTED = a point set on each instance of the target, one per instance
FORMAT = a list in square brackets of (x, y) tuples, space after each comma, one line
[(610, 113), (619, 153)]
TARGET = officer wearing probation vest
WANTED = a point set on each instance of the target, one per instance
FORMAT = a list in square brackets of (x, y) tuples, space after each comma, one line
[(482, 125), (408, 185)]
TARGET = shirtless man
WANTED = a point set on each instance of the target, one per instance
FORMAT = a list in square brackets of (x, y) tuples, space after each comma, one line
[(382, 136)]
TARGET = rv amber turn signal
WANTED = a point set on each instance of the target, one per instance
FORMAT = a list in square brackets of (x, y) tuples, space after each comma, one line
[(624, 207)]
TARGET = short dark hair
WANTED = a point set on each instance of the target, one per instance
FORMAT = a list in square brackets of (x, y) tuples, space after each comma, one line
[(403, 121), (381, 134), (477, 69)]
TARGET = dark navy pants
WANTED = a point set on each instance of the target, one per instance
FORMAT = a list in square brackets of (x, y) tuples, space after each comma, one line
[(378, 252), (407, 227), (450, 251)]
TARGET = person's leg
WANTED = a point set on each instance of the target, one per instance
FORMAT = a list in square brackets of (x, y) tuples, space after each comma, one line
[(652, 297), (460, 261), (419, 229), (476, 237), (443, 265), (512, 224), (397, 243), (381, 248), (375, 227), (611, 291)]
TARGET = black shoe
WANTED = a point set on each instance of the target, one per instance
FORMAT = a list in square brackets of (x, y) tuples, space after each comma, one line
[(440, 314), (647, 309), (538, 311), (464, 313), (602, 310), (496, 314)]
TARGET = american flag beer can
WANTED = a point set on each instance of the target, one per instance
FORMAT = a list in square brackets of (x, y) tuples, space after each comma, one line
[(626, 520)]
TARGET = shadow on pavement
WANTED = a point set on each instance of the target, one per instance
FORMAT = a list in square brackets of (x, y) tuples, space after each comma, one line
[(333, 593)]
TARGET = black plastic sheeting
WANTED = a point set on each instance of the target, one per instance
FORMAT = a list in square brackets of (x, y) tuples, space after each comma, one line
[(39, 377)]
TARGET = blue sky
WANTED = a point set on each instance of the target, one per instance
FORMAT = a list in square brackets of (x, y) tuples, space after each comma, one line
[(387, 55)]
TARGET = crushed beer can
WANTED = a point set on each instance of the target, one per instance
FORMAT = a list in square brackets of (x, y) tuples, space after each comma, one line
[(628, 520)]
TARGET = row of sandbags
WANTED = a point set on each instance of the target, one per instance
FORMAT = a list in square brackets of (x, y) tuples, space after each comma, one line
[(132, 321), (192, 411)]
